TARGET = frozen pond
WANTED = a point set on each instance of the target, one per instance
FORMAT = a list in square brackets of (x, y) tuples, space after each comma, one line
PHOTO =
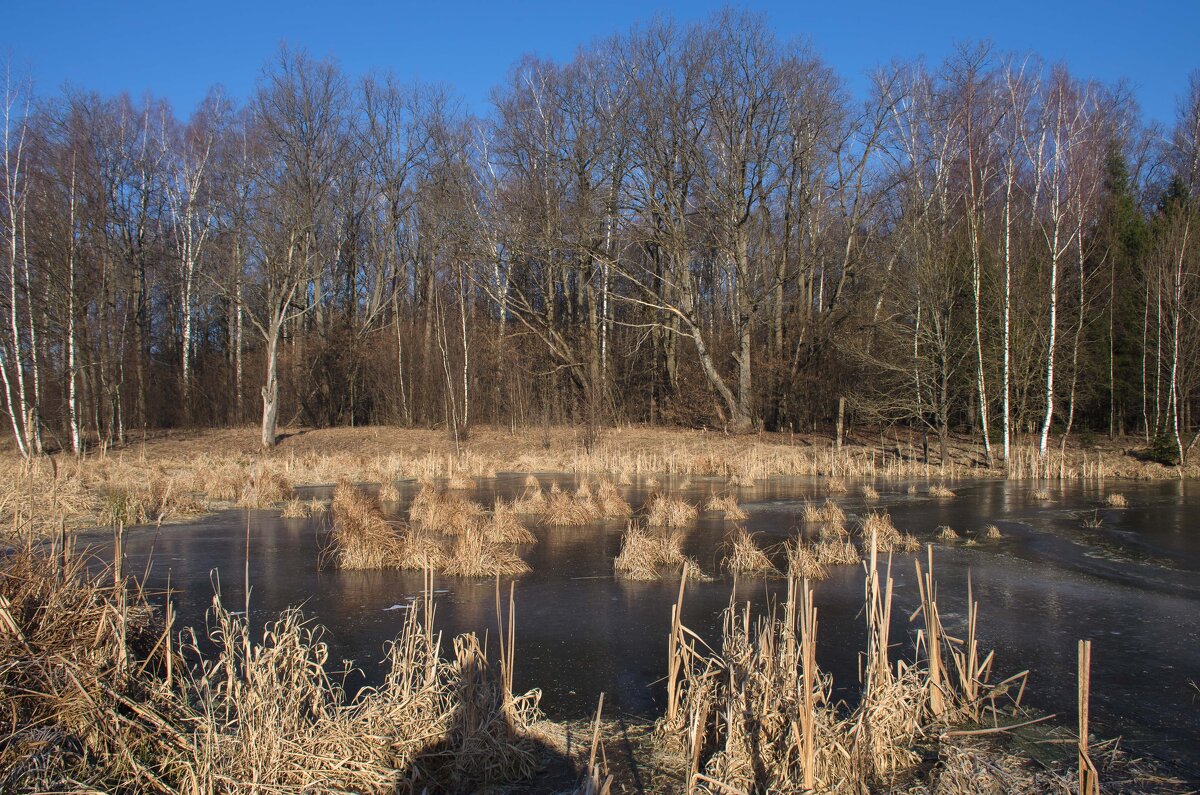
[(1131, 585)]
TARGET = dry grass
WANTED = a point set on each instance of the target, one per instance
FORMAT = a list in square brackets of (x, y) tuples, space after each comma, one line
[(940, 491), (532, 499), (829, 512), (211, 468), (812, 560), (481, 545), (296, 508), (1042, 495), (99, 694), (443, 512), (726, 504), (837, 487), (360, 537), (666, 511), (992, 532), (803, 562), (646, 555), (946, 533), (504, 526), (473, 555), (388, 492), (460, 481), (833, 552), (878, 526), (570, 510), (743, 556), (870, 494), (1114, 500), (754, 713), (609, 502)]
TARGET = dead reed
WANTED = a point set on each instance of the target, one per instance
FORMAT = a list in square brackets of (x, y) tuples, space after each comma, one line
[(666, 511), (803, 562), (992, 532), (946, 533), (570, 510), (743, 556), (830, 512), (388, 492), (504, 526), (940, 491), (443, 512), (609, 502), (870, 494), (360, 537), (646, 555), (473, 555), (296, 508), (1115, 500), (755, 713), (878, 526), (99, 693), (726, 504)]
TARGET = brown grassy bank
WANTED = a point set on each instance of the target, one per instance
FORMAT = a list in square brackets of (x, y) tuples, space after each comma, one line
[(171, 475)]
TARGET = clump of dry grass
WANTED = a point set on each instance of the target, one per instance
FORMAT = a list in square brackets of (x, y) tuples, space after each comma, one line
[(742, 480), (570, 510), (870, 494), (667, 511), (651, 483), (912, 489), (609, 502), (153, 502), (744, 556), (833, 531), (459, 481), (887, 538), (940, 491), (946, 533), (833, 552), (726, 504), (532, 499), (504, 526), (1115, 500), (473, 555), (803, 562), (266, 488), (296, 508), (829, 512), (443, 512), (360, 537), (650, 556), (837, 487), (388, 492), (1042, 494), (992, 532)]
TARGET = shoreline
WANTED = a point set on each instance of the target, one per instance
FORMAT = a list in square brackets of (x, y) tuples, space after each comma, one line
[(171, 476)]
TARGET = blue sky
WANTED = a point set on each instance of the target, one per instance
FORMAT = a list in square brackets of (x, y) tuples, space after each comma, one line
[(178, 49)]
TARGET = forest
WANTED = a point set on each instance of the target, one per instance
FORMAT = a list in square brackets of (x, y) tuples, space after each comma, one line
[(686, 224)]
